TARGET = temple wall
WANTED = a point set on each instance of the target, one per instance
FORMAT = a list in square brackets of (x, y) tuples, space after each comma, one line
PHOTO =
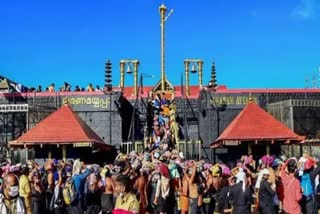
[(207, 116)]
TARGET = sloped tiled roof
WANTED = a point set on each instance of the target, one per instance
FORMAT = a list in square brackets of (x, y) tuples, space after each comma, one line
[(255, 124), (63, 126)]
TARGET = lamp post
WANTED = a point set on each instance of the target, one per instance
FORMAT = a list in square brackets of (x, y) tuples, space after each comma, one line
[(142, 77), (163, 19), (196, 66)]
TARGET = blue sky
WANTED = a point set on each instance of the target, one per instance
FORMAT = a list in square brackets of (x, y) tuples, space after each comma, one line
[(254, 43)]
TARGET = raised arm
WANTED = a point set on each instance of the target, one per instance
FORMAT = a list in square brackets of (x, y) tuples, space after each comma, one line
[(194, 171)]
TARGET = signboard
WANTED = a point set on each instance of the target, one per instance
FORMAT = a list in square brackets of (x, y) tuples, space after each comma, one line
[(14, 108), (90, 103), (221, 151), (231, 100), (95, 102), (231, 142), (84, 144)]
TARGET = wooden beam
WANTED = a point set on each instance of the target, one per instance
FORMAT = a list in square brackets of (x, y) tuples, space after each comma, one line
[(64, 152)]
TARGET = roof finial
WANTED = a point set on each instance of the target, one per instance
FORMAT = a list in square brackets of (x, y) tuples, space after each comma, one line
[(66, 102), (250, 98)]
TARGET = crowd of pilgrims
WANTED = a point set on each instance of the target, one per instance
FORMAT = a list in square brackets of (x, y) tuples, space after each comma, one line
[(163, 128), (162, 182), (65, 88)]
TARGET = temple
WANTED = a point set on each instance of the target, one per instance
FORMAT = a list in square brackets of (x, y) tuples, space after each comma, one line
[(120, 116)]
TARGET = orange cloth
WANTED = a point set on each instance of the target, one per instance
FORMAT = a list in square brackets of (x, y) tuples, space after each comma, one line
[(166, 111), (184, 203)]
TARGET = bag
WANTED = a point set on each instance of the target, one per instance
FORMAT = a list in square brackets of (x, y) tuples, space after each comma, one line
[(207, 200), (306, 185), (69, 192)]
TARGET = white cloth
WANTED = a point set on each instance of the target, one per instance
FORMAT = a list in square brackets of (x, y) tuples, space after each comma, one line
[(163, 187), (241, 177), (317, 181), (181, 155), (265, 171), (257, 186), (20, 206), (302, 160), (3, 209), (56, 194)]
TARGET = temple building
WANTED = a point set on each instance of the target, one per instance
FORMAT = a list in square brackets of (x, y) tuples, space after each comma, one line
[(116, 118)]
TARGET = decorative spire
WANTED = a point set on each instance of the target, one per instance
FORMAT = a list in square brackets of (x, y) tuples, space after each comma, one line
[(213, 80), (108, 75)]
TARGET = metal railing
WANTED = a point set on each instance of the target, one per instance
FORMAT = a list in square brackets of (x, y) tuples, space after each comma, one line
[(127, 147)]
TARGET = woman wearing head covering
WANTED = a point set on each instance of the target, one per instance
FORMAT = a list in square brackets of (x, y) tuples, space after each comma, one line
[(57, 201), (266, 194), (37, 192), (266, 162), (93, 193), (151, 191), (49, 188), (79, 179), (308, 184), (163, 189), (241, 194)]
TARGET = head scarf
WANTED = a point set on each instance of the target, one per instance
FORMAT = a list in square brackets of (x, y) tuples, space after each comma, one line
[(164, 171), (216, 170), (241, 177), (76, 167), (265, 171), (207, 166), (225, 170), (267, 160)]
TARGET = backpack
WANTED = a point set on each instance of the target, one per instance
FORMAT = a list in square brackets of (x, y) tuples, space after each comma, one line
[(69, 192), (306, 185)]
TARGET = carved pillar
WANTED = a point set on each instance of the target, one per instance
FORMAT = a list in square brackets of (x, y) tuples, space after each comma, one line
[(186, 65), (64, 152), (122, 65), (200, 66), (135, 77)]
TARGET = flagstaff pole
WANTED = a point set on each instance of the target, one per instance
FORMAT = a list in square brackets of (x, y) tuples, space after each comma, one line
[(162, 11)]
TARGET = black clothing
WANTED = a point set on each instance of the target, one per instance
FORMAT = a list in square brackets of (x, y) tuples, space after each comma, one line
[(37, 201), (209, 200), (37, 205), (241, 201), (107, 203), (93, 201), (224, 199), (313, 175), (309, 204), (76, 207), (266, 195)]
